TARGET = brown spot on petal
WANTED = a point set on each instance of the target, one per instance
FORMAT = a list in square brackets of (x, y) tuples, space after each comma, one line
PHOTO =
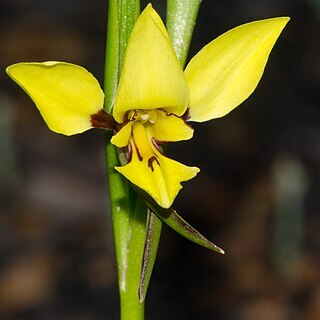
[(150, 162), (159, 145), (103, 120), (186, 116), (137, 149)]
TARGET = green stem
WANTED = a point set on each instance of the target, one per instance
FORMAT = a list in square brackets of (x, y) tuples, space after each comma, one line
[(131, 307), (128, 214)]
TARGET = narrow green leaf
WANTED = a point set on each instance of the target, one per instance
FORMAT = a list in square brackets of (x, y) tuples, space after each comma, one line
[(154, 226), (181, 19), (173, 220), (177, 223)]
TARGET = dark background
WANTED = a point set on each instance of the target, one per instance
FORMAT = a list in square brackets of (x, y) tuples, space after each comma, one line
[(257, 196)]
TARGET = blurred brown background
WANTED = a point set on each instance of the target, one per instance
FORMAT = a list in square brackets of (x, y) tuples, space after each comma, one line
[(257, 195)]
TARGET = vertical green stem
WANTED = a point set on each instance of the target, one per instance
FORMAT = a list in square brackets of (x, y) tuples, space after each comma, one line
[(128, 213), (131, 307)]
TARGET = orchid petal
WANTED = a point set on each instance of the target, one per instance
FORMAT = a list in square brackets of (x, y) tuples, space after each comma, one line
[(151, 77), (122, 137), (153, 172), (169, 127), (226, 71), (65, 94)]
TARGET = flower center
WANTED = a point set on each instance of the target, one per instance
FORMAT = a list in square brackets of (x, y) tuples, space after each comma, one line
[(143, 116)]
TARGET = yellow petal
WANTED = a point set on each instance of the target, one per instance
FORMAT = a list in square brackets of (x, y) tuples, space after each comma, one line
[(159, 176), (169, 127), (151, 77), (226, 71), (65, 94), (121, 138)]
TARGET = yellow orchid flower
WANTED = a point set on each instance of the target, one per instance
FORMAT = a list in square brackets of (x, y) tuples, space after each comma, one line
[(155, 97)]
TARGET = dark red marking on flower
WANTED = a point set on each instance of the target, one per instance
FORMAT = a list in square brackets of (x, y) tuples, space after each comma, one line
[(137, 149), (127, 119), (166, 112), (150, 162), (103, 120), (157, 144), (186, 116)]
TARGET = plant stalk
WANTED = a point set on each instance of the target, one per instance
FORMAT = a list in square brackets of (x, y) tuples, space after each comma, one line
[(129, 214)]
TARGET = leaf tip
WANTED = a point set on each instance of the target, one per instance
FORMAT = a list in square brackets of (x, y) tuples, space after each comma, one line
[(219, 250), (141, 294)]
